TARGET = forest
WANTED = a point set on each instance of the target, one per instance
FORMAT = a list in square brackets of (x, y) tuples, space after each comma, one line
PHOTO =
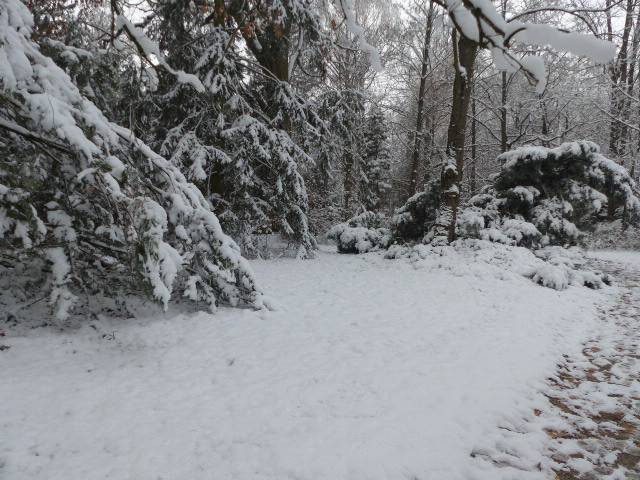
[(313, 232)]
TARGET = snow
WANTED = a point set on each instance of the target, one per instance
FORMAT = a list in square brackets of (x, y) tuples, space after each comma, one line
[(599, 51), (368, 369), (480, 21), (348, 8), (152, 54), (623, 256), (586, 420), (535, 65)]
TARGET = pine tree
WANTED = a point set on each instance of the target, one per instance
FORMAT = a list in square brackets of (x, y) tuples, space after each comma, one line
[(93, 204)]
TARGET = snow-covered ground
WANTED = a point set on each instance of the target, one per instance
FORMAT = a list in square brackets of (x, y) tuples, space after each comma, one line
[(621, 257), (587, 425), (368, 369)]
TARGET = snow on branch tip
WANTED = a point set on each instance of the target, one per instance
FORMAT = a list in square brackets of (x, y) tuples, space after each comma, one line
[(348, 7), (480, 21)]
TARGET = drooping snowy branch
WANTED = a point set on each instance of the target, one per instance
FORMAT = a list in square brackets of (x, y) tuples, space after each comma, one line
[(348, 7), (479, 21), (105, 201)]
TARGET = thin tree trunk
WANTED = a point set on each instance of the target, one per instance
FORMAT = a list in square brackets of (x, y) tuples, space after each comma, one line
[(217, 177), (420, 122), (618, 73), (612, 207), (504, 138), (631, 81), (474, 149), (544, 129), (348, 184)]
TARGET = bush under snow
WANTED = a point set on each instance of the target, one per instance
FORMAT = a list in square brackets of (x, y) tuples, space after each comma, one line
[(552, 267), (413, 221), (362, 233), (545, 196)]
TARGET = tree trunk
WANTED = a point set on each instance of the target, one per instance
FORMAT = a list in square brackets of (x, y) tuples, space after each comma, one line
[(417, 146), (631, 82), (217, 177), (618, 73), (474, 150), (504, 138), (347, 184), (465, 52), (544, 129), (612, 207)]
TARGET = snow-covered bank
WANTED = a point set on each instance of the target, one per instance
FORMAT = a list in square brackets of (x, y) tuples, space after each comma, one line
[(369, 369)]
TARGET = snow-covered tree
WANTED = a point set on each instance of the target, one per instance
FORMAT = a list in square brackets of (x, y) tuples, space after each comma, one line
[(479, 25), (374, 182), (234, 136), (96, 206), (344, 113), (545, 196), (415, 220), (357, 148)]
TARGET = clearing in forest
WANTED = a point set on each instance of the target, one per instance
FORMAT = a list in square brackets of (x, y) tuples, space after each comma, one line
[(368, 368)]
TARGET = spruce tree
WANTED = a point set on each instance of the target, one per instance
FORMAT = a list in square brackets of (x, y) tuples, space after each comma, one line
[(374, 183), (97, 208), (344, 113), (235, 138)]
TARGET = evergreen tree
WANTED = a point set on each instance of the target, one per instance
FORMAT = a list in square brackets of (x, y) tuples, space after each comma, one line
[(544, 196), (374, 182), (344, 113), (414, 221), (90, 202), (234, 139)]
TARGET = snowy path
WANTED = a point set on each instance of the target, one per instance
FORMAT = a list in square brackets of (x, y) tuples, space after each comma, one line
[(370, 369), (599, 394), (589, 427)]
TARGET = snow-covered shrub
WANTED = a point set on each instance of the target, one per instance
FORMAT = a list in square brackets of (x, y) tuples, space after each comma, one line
[(92, 203), (552, 267), (614, 236), (546, 196), (564, 267), (361, 234), (482, 219), (414, 220)]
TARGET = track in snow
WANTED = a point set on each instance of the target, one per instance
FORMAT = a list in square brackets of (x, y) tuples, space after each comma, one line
[(592, 415)]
